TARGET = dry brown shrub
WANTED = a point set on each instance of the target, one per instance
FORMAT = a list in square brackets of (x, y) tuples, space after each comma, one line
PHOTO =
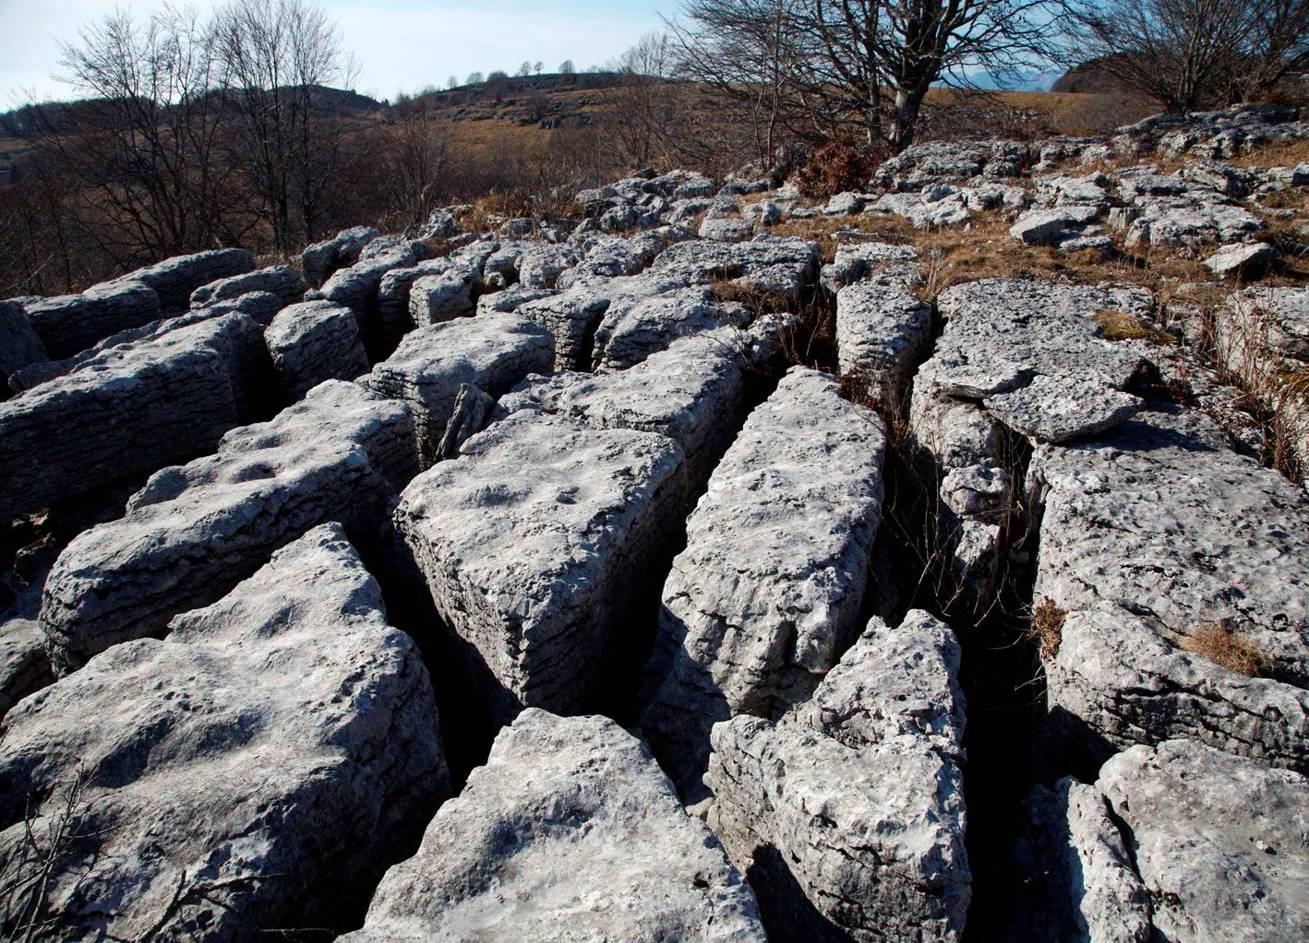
[(1047, 627), (836, 167), (1221, 644)]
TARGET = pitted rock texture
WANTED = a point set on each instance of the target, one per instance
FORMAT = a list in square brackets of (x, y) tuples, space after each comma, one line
[(877, 262), (766, 595), (174, 279), (1152, 536), (692, 392), (315, 341), (195, 530), (428, 368), (881, 332), (531, 543), (126, 412), (1216, 844), (600, 850), (1003, 336), (70, 323), (24, 664), (280, 280), (357, 286), (257, 767), (634, 327), (854, 799), (443, 296), (777, 265)]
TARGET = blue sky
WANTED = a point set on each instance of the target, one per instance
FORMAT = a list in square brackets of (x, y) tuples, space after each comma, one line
[(398, 44)]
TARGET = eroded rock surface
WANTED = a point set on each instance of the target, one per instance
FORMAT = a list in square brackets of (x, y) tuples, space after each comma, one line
[(766, 595), (69, 323), (195, 530), (252, 772), (600, 849), (848, 813), (312, 342)]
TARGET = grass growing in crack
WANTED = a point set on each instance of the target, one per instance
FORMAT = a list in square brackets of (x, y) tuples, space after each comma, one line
[(1047, 627), (1224, 646), (1123, 326)]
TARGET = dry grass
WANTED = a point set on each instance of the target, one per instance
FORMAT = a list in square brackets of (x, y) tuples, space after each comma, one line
[(756, 300), (1122, 326), (1047, 627), (1281, 154), (1224, 646)]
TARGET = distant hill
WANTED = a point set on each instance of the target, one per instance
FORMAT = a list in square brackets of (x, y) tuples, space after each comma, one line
[(1089, 76)]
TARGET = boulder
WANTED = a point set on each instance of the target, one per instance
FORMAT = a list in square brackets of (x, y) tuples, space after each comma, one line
[(393, 297), (881, 332), (1050, 227), (1241, 259), (571, 319), (569, 832), (767, 593), (780, 265), (195, 530), (1180, 567), (321, 259), (1216, 849), (473, 412), (127, 412), (428, 368), (174, 279), (255, 770), (930, 209), (357, 288), (692, 392), (878, 262), (70, 323), (444, 296), (532, 543), (847, 814), (315, 341), (24, 665), (726, 229), (634, 326), (280, 280)]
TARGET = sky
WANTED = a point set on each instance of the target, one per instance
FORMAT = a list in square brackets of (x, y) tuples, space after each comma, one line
[(398, 45)]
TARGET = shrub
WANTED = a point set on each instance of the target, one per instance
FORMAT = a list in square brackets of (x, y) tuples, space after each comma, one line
[(1047, 627), (836, 167), (1224, 646)]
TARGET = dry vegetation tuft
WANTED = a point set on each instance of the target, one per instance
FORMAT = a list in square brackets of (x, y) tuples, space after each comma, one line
[(1123, 326), (1047, 627), (1224, 646)]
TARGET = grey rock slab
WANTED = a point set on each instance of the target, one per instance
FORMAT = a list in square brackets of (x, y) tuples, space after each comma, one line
[(571, 319), (426, 371), (174, 279), (601, 850), (473, 412), (874, 261), (881, 332), (510, 299), (844, 204), (443, 297), (1151, 534), (1218, 842), (393, 296), (280, 280), (1048, 227), (315, 341), (70, 323), (726, 229), (692, 392), (781, 265), (126, 412), (1039, 345), (1241, 259), (531, 543), (321, 259), (194, 531), (1191, 222), (766, 595), (24, 664), (855, 798), (254, 770), (927, 210), (634, 325), (1091, 892)]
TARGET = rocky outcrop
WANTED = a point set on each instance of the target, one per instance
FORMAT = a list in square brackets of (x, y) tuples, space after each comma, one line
[(175, 278), (767, 593), (195, 530), (252, 771), (878, 262), (601, 849), (531, 543), (634, 326), (315, 341), (357, 288), (692, 392), (280, 280), (848, 813), (777, 265), (428, 368), (321, 259), (24, 664), (126, 412), (925, 165), (71, 323), (1213, 849), (1148, 544)]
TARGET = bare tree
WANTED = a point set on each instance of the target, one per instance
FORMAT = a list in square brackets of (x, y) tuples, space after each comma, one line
[(277, 57), (452, 82), (474, 78), (414, 160), (525, 69), (566, 67), (538, 66), (144, 154), (1192, 53)]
